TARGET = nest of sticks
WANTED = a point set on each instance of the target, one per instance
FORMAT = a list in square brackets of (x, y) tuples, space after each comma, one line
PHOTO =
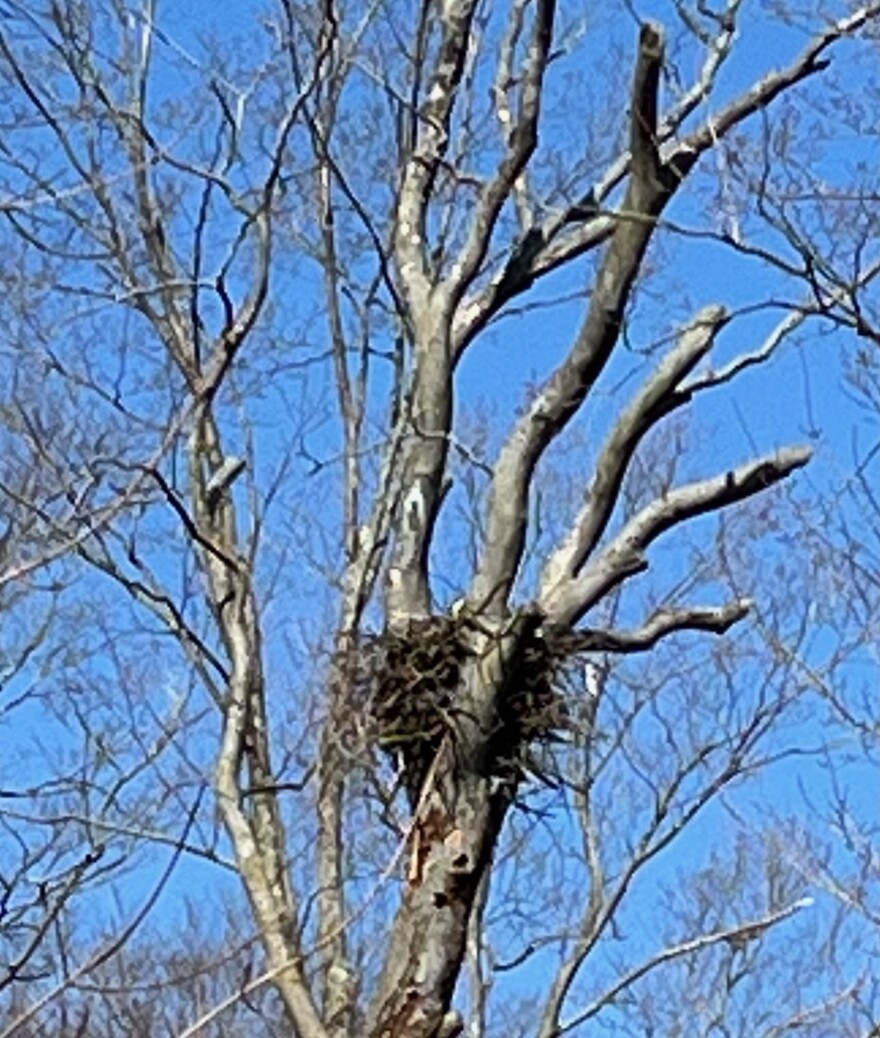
[(408, 681)]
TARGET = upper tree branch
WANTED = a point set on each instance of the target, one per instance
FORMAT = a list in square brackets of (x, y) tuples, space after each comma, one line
[(564, 236), (657, 398), (718, 50), (521, 143), (428, 150), (644, 160), (569, 600), (567, 388), (683, 154)]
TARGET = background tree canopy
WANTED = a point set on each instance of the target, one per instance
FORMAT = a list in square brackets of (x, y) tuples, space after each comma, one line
[(439, 554)]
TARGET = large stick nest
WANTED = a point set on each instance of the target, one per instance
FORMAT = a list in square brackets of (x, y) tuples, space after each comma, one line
[(408, 682)]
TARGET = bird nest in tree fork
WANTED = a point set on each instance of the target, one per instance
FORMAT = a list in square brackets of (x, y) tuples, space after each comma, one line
[(409, 683)]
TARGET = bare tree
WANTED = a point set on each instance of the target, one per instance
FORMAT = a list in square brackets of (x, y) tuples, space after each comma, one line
[(249, 279)]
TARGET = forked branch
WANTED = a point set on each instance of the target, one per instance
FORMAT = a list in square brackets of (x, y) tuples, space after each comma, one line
[(569, 385), (624, 555), (521, 143), (658, 397), (563, 236)]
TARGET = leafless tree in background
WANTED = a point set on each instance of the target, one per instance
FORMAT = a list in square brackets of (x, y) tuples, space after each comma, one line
[(318, 629)]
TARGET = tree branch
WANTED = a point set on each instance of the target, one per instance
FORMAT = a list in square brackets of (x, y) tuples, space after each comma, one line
[(550, 248), (656, 399), (430, 146), (644, 159), (734, 936), (569, 385), (423, 458), (663, 622), (521, 143), (682, 155), (569, 600)]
